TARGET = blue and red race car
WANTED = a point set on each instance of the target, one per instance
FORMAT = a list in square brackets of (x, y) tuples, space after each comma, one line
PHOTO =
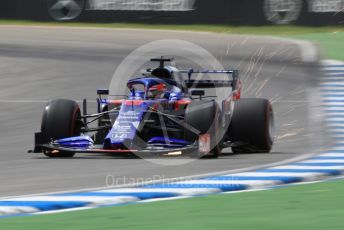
[(167, 112)]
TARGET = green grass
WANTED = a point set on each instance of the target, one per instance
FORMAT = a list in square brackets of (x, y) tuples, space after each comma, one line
[(331, 38), (262, 30), (315, 206), (331, 43)]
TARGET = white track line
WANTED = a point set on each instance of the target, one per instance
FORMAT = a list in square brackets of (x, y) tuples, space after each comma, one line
[(309, 167)]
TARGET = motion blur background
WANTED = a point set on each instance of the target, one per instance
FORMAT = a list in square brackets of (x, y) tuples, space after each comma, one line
[(236, 12)]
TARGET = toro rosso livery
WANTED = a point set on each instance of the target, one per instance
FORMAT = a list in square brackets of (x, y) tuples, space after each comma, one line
[(165, 112)]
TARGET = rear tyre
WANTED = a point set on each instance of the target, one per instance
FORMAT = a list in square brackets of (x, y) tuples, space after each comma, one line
[(61, 119), (204, 116), (252, 126)]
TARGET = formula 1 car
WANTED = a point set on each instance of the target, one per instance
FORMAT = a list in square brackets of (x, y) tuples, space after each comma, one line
[(165, 113)]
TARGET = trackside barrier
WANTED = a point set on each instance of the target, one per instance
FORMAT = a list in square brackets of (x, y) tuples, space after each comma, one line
[(235, 12)]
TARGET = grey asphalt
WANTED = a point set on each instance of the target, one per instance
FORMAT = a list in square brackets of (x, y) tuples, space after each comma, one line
[(39, 64)]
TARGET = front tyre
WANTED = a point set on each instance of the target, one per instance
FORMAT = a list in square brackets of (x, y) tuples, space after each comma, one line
[(61, 119), (204, 116), (252, 128)]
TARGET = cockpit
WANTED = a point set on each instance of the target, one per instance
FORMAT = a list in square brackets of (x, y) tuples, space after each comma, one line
[(153, 89)]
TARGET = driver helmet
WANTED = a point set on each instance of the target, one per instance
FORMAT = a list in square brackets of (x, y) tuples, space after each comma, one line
[(158, 90)]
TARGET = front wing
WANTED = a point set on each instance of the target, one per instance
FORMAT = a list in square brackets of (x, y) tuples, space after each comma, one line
[(99, 149)]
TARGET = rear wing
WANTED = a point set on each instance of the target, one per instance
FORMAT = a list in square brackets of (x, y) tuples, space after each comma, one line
[(233, 78)]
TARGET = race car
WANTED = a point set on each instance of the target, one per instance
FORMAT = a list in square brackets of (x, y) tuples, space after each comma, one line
[(166, 112)]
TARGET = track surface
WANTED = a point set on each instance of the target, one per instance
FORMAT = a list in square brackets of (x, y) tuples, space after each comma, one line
[(39, 64)]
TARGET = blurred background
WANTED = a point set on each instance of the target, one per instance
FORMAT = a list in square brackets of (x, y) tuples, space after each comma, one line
[(236, 12)]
